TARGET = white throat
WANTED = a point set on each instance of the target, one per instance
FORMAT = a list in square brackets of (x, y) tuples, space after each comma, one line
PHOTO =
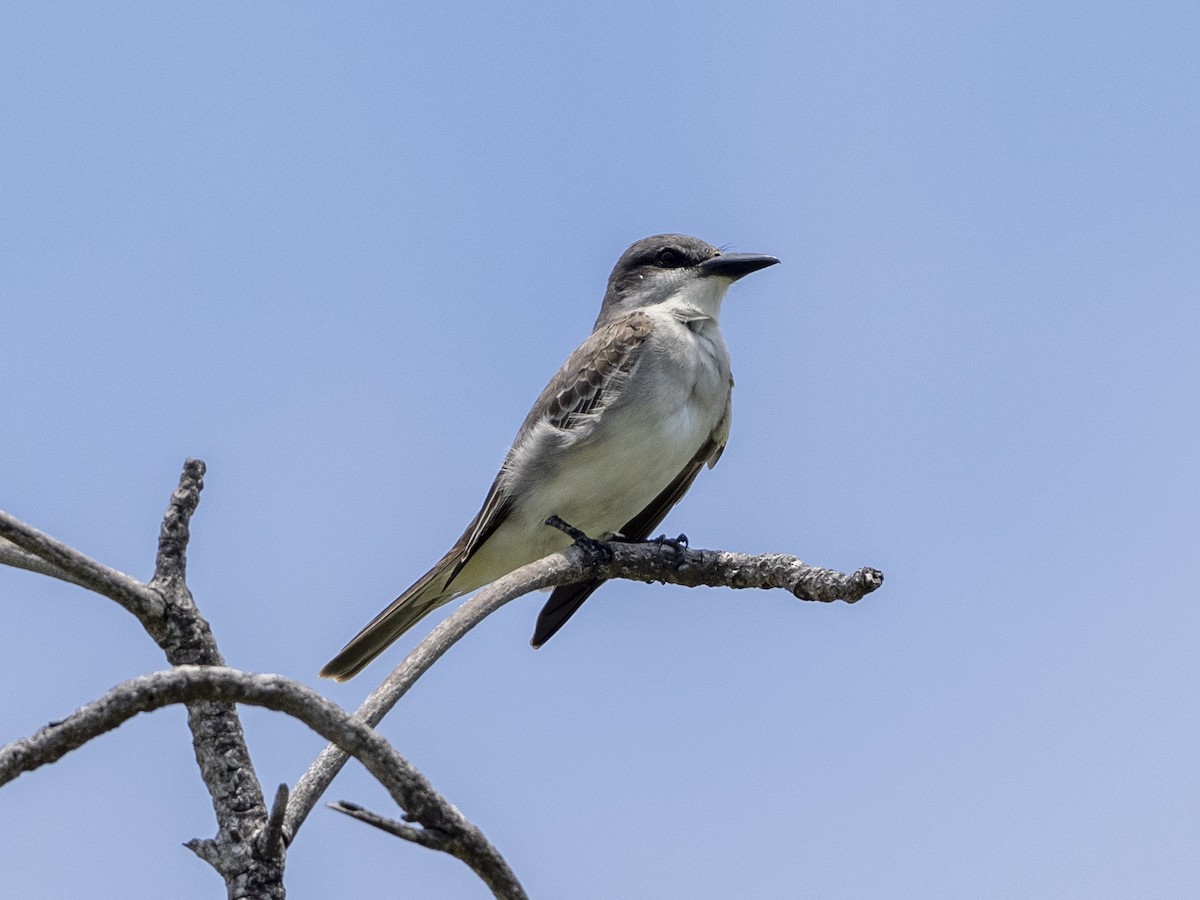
[(698, 298)]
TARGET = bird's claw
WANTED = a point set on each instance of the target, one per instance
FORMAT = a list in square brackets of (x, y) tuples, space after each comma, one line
[(679, 544), (598, 551)]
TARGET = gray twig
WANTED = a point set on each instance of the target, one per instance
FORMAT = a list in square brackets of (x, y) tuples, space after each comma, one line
[(67, 564), (273, 840), (421, 836), (171, 561)]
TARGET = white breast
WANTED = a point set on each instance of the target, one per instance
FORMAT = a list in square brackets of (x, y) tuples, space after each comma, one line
[(666, 412)]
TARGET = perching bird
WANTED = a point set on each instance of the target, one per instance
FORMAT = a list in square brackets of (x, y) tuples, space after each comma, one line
[(613, 442)]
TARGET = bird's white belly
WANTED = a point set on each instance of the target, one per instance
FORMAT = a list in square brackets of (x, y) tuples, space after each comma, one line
[(614, 479), (599, 479), (598, 488)]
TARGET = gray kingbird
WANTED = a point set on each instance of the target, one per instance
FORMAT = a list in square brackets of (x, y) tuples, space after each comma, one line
[(613, 442)]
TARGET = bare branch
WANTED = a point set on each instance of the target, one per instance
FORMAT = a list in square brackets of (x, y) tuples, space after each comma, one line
[(646, 561), (557, 568), (68, 564), (217, 736), (215, 685), (12, 555), (249, 848), (171, 562), (167, 612), (272, 841), (391, 826)]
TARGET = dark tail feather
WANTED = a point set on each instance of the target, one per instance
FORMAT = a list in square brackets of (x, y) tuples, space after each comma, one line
[(430, 592), (561, 606)]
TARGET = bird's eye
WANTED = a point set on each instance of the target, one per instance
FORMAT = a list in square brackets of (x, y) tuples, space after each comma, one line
[(668, 258)]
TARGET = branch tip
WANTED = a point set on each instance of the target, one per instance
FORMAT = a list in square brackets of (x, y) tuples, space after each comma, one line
[(171, 563), (273, 839)]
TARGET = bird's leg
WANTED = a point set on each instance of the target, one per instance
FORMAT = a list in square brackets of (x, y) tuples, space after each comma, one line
[(598, 551)]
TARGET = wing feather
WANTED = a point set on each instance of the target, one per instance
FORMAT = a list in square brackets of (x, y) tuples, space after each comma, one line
[(582, 387), (592, 374)]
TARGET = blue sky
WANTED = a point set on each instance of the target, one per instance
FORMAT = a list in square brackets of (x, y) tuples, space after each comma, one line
[(335, 251)]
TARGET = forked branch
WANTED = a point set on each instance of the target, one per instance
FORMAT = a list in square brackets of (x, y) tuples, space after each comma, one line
[(442, 826)]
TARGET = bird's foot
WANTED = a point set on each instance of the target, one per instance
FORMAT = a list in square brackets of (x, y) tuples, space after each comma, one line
[(598, 551), (678, 544)]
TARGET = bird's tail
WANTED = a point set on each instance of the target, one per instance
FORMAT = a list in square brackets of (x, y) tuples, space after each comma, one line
[(430, 592), (563, 603)]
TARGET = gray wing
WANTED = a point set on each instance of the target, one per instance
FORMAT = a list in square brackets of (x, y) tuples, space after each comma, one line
[(592, 374), (585, 384), (582, 387)]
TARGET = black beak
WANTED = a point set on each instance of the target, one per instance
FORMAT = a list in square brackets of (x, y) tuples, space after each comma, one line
[(735, 265)]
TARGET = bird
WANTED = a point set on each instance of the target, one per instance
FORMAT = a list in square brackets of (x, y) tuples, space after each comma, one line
[(610, 446)]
